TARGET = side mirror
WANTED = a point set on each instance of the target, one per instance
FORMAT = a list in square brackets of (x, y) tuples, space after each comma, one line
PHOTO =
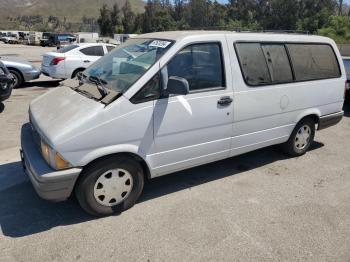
[(177, 86)]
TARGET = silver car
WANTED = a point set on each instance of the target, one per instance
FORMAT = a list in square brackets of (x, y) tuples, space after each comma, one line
[(21, 70)]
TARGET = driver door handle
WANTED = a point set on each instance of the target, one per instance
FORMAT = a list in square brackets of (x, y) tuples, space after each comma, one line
[(86, 61), (225, 101)]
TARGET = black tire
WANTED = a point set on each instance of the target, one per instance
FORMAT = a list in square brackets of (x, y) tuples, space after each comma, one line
[(290, 147), (76, 72), (84, 189), (18, 78)]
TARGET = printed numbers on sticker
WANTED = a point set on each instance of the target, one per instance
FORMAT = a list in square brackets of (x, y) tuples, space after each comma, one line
[(160, 43)]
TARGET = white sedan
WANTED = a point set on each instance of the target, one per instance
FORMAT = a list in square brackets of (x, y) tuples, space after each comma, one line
[(68, 61)]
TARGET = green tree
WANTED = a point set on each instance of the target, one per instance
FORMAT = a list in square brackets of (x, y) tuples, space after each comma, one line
[(157, 17), (104, 21), (199, 13), (116, 19), (128, 20), (337, 28)]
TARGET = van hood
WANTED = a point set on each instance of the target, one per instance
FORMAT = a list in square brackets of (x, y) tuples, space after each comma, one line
[(59, 112)]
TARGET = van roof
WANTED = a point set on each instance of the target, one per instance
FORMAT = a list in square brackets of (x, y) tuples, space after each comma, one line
[(248, 36)]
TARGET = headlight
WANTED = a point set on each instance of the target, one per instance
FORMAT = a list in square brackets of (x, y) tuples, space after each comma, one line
[(53, 158)]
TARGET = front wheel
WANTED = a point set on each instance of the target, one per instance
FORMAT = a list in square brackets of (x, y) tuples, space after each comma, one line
[(18, 79), (301, 138), (110, 186)]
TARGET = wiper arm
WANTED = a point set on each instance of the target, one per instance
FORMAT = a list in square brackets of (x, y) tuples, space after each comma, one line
[(83, 92), (101, 84)]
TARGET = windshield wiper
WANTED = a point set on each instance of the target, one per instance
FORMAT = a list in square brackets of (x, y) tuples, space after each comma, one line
[(83, 92), (101, 84)]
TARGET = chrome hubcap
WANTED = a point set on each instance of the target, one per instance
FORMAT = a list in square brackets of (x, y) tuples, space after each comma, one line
[(113, 187), (302, 137)]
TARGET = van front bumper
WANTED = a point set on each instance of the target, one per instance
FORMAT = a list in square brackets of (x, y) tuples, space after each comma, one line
[(330, 120), (50, 184)]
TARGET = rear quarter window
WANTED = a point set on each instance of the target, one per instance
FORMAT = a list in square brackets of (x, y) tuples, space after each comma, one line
[(66, 49), (313, 61)]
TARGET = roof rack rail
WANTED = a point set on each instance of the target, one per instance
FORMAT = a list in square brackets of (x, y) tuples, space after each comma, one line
[(300, 32)]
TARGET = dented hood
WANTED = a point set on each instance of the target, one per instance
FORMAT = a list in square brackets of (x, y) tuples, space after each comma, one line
[(59, 113)]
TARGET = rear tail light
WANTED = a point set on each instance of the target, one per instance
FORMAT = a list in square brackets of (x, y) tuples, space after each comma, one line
[(56, 60)]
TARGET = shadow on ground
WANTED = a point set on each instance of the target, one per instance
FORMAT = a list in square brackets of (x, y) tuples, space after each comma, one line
[(2, 107), (43, 84), (346, 109), (23, 213)]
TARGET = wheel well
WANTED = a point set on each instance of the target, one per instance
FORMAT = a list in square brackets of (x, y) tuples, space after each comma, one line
[(314, 117), (141, 161), (76, 71), (15, 69)]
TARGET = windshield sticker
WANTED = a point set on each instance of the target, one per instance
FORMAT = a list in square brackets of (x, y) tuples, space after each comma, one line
[(160, 43)]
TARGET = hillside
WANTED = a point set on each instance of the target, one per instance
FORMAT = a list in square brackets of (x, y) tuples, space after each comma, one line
[(73, 10)]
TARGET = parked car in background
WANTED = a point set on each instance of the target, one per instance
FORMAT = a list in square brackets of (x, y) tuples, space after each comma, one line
[(45, 39), (2, 35), (21, 70), (68, 61), (33, 38), (86, 37), (57, 39), (165, 102), (346, 61), (12, 38), (6, 83)]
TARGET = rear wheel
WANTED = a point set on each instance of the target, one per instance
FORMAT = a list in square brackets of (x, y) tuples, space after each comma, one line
[(18, 79), (301, 138), (110, 186), (75, 73)]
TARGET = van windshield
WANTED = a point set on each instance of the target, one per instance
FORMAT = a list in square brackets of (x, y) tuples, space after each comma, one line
[(122, 67)]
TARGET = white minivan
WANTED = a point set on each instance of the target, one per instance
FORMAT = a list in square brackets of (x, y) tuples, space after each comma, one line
[(164, 102)]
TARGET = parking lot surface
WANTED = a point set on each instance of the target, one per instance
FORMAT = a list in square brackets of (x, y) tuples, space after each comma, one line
[(261, 206)]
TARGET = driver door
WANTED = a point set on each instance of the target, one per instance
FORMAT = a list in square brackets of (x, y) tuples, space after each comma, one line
[(194, 129)]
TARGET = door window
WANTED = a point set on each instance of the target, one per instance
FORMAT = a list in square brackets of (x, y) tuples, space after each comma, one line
[(200, 64), (277, 62), (253, 64), (93, 51), (151, 91)]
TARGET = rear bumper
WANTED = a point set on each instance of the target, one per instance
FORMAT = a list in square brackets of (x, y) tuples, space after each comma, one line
[(330, 120), (53, 72), (31, 75), (48, 183)]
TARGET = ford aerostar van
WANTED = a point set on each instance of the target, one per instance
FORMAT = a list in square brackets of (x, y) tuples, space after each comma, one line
[(164, 102)]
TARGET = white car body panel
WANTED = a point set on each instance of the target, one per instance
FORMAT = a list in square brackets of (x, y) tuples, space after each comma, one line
[(73, 60), (185, 131)]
